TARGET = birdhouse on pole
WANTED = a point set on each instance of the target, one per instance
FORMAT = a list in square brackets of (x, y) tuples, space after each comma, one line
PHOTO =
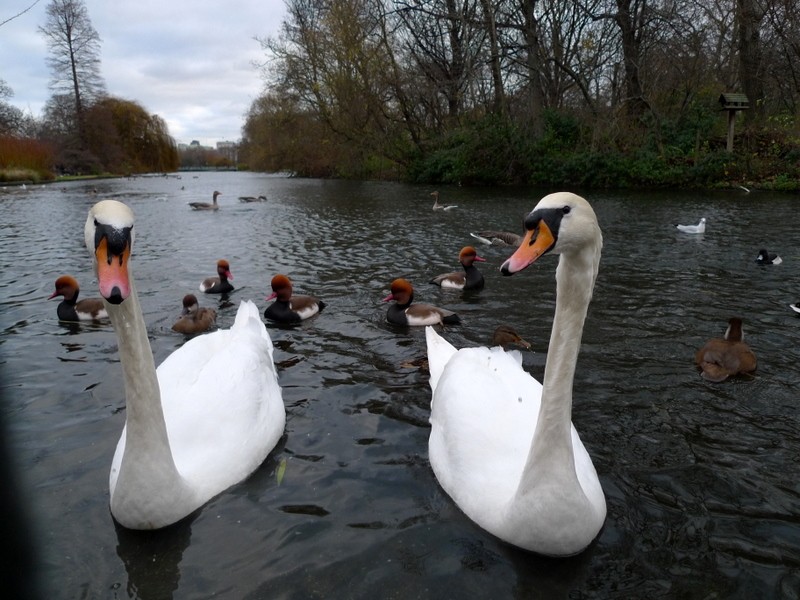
[(733, 103)]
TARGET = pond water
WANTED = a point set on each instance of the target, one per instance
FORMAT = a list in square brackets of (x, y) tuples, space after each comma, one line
[(702, 480)]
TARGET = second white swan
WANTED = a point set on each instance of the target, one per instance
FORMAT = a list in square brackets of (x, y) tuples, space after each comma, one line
[(503, 446)]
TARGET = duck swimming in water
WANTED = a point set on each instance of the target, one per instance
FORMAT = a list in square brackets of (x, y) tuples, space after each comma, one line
[(72, 309), (470, 279), (219, 284), (206, 205), (194, 319), (768, 258), (288, 307), (403, 312), (719, 359), (437, 206)]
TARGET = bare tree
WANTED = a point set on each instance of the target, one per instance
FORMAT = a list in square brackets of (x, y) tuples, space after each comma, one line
[(74, 55)]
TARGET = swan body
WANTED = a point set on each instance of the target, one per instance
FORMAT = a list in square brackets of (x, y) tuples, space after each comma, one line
[(719, 359), (502, 445), (202, 422), (206, 205), (72, 309), (795, 307), (437, 206), (194, 319), (768, 258), (220, 283), (699, 228), (288, 307), (497, 238), (470, 279), (403, 312)]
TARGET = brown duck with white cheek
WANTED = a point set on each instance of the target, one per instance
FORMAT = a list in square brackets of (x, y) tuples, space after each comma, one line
[(403, 312), (219, 284), (470, 279), (194, 319), (723, 358), (290, 308), (70, 308)]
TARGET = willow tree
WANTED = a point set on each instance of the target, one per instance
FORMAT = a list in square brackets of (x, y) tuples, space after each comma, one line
[(73, 45), (127, 139)]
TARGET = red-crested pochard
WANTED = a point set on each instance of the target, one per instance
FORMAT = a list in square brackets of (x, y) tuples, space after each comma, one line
[(288, 307), (403, 312), (470, 279)]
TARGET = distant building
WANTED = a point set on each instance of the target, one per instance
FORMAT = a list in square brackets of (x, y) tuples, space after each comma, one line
[(229, 150)]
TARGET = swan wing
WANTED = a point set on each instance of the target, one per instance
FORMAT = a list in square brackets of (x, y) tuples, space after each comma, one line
[(222, 403), (483, 415)]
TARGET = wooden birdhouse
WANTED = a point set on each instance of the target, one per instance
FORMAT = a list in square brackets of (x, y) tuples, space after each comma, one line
[(732, 103)]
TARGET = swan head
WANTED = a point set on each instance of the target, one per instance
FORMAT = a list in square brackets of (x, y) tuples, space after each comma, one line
[(563, 223), (109, 237)]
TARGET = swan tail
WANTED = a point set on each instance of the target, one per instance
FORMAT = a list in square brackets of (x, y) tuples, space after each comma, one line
[(439, 353), (248, 316)]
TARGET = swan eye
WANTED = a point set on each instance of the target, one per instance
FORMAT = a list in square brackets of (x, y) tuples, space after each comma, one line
[(566, 210)]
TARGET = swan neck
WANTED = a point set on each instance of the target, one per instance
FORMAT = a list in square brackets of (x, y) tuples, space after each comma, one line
[(144, 414), (552, 445)]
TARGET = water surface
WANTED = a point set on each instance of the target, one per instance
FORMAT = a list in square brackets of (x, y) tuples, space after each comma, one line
[(701, 479)]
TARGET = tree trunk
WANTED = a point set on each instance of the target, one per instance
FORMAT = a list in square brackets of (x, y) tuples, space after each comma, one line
[(536, 96), (499, 100), (749, 16)]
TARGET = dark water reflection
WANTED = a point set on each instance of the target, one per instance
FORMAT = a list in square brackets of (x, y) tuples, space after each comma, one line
[(702, 480)]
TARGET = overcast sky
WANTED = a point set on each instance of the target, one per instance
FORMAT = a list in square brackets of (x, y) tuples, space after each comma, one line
[(188, 61)]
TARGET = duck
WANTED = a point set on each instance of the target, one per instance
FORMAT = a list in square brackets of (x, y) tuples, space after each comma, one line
[(252, 198), (699, 228), (502, 445), (194, 319), (403, 312), (437, 206), (288, 307), (470, 279), (497, 238), (219, 284), (768, 258), (200, 423), (206, 205), (72, 309), (505, 335), (719, 359)]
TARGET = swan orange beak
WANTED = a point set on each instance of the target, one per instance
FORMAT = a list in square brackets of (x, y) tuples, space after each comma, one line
[(112, 272), (536, 242)]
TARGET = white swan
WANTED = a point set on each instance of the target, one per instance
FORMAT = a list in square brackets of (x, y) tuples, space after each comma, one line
[(501, 445), (201, 423), (699, 228)]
